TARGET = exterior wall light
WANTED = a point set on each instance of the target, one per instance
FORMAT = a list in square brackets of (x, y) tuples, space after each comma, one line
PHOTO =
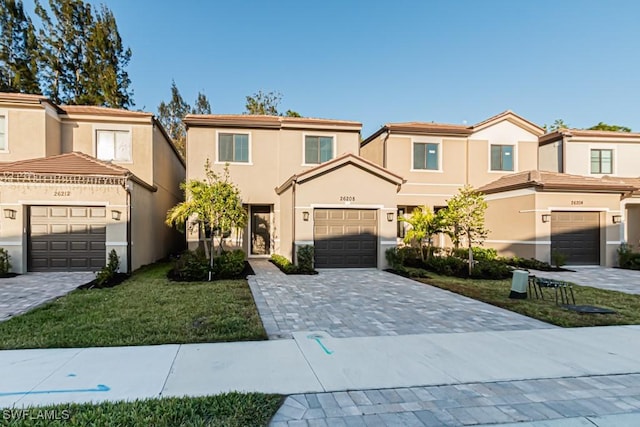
[(389, 216), (116, 215), (305, 216), (546, 217), (617, 219), (10, 213)]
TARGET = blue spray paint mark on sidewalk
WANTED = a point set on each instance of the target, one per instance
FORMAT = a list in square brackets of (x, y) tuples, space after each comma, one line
[(317, 339), (99, 388)]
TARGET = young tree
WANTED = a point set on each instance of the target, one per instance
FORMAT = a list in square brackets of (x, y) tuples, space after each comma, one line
[(558, 124), (263, 103), (464, 219), (18, 49), (215, 205), (424, 224), (82, 59)]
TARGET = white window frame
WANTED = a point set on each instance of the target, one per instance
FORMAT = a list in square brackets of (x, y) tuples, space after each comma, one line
[(436, 141), (515, 158), (249, 161), (320, 134), (5, 113), (614, 159), (112, 128)]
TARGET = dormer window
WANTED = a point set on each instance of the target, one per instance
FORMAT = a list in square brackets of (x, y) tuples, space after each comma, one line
[(602, 161), (113, 145), (317, 149), (502, 158)]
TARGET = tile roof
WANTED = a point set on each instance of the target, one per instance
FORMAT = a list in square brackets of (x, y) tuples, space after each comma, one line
[(557, 181), (102, 111), (558, 134), (258, 119), (22, 96), (65, 164)]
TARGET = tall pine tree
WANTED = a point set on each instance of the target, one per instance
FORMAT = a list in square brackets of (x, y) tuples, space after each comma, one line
[(171, 115), (82, 57), (18, 49)]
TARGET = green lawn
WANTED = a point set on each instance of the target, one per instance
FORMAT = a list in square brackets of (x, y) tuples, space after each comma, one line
[(496, 292), (229, 410), (144, 310)]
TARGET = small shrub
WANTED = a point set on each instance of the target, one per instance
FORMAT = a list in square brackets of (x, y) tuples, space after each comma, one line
[(5, 265), (228, 264), (305, 259), (108, 272), (448, 266), (527, 263), (491, 270), (627, 258), (558, 258), (479, 253), (190, 266), (283, 264)]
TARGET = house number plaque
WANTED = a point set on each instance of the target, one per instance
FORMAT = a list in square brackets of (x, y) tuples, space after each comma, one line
[(347, 198), (577, 203), (61, 193)]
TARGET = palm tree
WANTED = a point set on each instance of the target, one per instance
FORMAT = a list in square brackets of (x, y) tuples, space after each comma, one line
[(424, 224)]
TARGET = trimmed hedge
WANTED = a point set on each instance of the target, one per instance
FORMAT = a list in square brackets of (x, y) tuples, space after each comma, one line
[(193, 266), (305, 262), (627, 258)]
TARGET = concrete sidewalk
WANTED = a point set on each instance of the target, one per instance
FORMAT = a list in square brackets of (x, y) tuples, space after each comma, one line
[(313, 362)]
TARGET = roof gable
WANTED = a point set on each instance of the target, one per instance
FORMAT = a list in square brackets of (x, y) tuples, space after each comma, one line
[(337, 163), (511, 117)]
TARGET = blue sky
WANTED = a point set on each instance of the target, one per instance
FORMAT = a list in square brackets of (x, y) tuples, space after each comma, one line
[(390, 61)]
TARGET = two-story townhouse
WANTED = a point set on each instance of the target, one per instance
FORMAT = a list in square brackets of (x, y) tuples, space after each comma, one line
[(79, 181), (530, 213), (598, 153), (302, 183), (437, 159)]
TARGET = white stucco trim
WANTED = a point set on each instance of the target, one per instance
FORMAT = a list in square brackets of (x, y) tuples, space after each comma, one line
[(345, 205), (426, 194), (433, 184), (5, 113), (116, 243), (521, 242), (576, 209), (389, 242), (62, 202), (509, 194), (11, 243), (304, 242), (614, 242)]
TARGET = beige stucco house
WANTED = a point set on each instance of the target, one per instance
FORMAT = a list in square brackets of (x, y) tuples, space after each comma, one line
[(79, 181), (302, 183)]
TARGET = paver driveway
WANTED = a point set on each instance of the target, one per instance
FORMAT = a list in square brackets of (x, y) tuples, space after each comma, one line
[(615, 279), (22, 293), (367, 302)]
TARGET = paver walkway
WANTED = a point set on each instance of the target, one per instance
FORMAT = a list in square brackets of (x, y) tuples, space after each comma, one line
[(22, 293), (615, 279), (466, 404), (368, 302)]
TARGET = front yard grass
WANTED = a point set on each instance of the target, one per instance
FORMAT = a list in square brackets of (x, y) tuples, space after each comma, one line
[(229, 410), (496, 292), (146, 309)]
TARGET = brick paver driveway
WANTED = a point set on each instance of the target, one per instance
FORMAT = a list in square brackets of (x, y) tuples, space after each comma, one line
[(367, 302), (22, 293), (615, 279)]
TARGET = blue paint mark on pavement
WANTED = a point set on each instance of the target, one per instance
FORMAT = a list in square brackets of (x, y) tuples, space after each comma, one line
[(99, 388), (72, 375), (317, 339)]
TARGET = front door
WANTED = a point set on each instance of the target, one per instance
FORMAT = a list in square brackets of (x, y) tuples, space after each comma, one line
[(260, 230)]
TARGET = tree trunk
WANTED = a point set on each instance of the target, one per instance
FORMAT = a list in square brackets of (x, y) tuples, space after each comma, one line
[(211, 256), (470, 258)]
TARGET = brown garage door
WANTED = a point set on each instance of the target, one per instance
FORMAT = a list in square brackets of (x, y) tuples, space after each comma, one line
[(345, 238), (577, 235), (67, 238)]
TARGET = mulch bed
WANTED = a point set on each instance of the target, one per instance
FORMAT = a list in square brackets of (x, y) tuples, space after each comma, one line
[(115, 281), (247, 271)]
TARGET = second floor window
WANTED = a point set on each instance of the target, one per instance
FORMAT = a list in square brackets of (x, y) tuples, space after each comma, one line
[(317, 149), (3, 133), (113, 145), (602, 161), (233, 147), (425, 156), (502, 157)]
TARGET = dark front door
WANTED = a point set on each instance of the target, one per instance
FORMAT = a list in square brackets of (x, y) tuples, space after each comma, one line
[(260, 230), (345, 238)]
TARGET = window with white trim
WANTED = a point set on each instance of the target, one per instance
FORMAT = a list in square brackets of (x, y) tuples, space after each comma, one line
[(3, 132), (233, 147), (113, 145), (425, 156), (502, 157), (601, 161), (317, 149)]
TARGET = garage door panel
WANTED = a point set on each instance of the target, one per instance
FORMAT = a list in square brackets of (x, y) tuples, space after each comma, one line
[(345, 238), (66, 238), (98, 212), (576, 235)]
